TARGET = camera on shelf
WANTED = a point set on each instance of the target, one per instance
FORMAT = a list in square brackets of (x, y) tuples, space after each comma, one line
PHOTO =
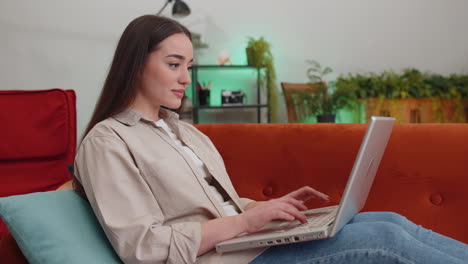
[(232, 97)]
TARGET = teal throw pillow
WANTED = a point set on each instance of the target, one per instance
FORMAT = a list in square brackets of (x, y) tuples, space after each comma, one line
[(56, 227)]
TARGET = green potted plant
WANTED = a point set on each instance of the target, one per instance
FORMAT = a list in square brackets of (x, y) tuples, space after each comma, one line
[(259, 55), (326, 99), (410, 97)]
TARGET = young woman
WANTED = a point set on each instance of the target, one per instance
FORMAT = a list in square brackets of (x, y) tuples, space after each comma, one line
[(162, 194)]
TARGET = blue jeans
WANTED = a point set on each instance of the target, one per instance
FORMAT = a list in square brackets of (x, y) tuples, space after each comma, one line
[(373, 237)]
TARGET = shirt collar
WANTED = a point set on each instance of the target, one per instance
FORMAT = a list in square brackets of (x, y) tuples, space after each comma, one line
[(131, 117)]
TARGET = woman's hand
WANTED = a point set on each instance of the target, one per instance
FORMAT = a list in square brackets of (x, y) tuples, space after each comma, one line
[(297, 197), (288, 207), (256, 216), (305, 193), (264, 212)]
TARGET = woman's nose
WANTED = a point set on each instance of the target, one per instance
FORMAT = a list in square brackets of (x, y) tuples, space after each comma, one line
[(185, 77)]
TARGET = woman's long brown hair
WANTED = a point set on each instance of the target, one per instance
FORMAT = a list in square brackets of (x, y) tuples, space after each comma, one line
[(142, 36)]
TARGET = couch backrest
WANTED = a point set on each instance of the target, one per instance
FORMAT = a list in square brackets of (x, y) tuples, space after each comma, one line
[(423, 174), (37, 140)]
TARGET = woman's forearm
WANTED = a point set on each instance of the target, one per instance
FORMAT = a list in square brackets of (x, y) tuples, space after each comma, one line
[(218, 230), (251, 205)]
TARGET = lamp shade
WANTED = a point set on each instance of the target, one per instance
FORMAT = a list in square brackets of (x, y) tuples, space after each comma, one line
[(180, 9)]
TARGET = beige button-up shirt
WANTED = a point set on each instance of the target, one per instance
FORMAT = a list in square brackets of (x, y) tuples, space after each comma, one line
[(147, 192)]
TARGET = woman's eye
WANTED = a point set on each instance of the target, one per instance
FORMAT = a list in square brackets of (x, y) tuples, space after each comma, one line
[(189, 68), (173, 65)]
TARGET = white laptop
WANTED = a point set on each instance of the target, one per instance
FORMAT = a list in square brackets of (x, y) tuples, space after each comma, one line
[(327, 221)]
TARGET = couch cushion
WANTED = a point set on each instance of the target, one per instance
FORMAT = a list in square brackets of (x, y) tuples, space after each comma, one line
[(56, 227), (36, 125), (38, 139)]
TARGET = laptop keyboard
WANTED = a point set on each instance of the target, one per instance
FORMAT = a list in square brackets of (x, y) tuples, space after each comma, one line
[(315, 218)]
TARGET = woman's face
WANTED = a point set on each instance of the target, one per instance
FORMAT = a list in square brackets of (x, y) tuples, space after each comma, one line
[(165, 75)]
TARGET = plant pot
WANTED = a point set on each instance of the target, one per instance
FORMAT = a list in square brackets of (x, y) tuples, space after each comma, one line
[(326, 118), (204, 97), (412, 110), (465, 106), (253, 58), (409, 110)]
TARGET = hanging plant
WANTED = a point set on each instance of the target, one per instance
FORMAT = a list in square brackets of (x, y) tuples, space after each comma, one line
[(259, 55)]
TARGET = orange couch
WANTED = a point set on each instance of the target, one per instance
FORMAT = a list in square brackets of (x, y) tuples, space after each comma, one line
[(423, 174)]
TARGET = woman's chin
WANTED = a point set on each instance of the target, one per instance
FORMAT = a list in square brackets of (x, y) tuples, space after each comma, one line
[(174, 105)]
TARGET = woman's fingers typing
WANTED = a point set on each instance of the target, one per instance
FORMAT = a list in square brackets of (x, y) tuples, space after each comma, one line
[(264, 213), (296, 203), (306, 192), (288, 208)]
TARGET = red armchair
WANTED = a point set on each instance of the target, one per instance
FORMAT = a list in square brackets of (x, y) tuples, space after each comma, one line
[(38, 141)]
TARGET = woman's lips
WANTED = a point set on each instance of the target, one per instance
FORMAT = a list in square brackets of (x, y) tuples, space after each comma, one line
[(179, 93)]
